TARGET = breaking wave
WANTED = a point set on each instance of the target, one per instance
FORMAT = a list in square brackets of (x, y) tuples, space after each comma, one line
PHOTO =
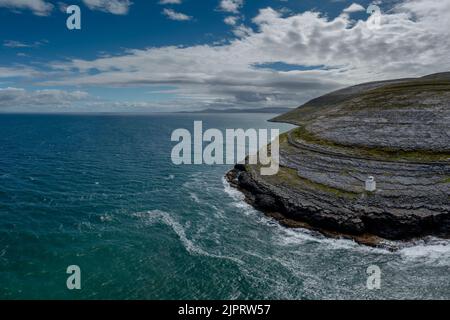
[(158, 216), (430, 250)]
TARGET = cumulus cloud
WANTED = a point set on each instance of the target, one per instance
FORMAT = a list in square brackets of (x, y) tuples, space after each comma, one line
[(354, 7), (119, 7), (232, 6), (17, 72), (231, 20), (44, 8), (19, 97), (321, 54), (38, 7), (177, 16)]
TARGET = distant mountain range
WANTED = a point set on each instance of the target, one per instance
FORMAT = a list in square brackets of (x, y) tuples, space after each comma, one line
[(234, 110)]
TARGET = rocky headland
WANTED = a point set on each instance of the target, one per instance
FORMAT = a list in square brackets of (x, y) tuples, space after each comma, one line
[(397, 131)]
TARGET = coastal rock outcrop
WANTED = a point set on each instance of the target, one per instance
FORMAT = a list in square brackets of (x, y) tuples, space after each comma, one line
[(396, 131)]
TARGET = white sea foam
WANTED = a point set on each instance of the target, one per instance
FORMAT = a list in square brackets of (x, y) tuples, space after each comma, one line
[(158, 216), (238, 199), (106, 218), (300, 236), (430, 250), (232, 192), (194, 197), (289, 236)]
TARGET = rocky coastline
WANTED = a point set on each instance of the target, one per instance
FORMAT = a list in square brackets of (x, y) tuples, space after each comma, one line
[(396, 131)]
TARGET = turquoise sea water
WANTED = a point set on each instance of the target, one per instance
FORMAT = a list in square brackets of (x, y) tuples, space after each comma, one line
[(101, 192)]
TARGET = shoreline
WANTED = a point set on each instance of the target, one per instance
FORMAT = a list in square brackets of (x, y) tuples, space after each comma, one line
[(272, 210)]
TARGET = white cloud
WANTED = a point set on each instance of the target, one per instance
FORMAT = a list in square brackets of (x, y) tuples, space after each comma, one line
[(38, 7), (15, 44), (231, 5), (414, 40), (354, 7), (20, 44), (44, 8), (177, 16), (119, 7), (17, 72), (19, 97), (170, 2), (231, 20), (242, 31), (62, 6), (432, 13)]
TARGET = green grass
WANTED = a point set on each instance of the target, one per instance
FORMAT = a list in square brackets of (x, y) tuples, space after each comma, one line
[(290, 178), (415, 86), (376, 153), (389, 96)]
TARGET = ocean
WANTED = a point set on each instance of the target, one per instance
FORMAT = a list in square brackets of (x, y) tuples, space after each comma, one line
[(101, 192)]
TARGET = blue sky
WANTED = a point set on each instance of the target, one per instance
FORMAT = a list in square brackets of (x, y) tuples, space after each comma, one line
[(146, 55), (143, 26)]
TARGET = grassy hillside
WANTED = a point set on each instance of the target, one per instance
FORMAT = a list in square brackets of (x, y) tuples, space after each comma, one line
[(385, 94)]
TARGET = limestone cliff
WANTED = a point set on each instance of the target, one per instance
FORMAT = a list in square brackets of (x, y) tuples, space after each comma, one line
[(397, 131)]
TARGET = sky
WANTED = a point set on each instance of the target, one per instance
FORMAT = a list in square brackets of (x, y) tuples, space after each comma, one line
[(181, 55)]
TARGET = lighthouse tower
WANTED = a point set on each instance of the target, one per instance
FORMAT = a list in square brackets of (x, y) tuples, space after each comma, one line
[(371, 184)]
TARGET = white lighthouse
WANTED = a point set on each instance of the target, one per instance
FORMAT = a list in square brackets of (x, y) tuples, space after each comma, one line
[(371, 184)]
